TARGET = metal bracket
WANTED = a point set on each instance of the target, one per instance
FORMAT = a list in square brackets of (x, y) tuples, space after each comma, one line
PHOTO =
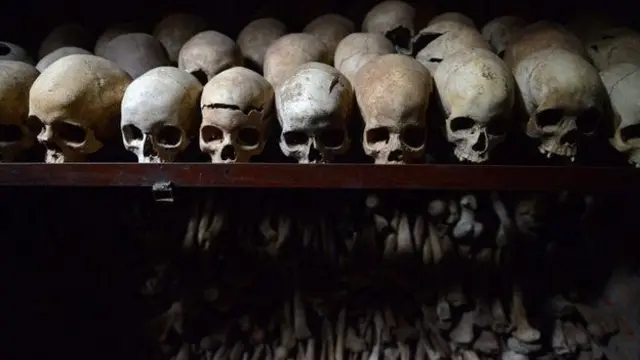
[(162, 191)]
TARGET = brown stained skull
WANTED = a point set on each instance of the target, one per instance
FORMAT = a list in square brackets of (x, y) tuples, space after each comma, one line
[(255, 38), (77, 99), (393, 93), (499, 31), (209, 53), (289, 52), (65, 35), (330, 28), (393, 19), (16, 132), (357, 49), (136, 53), (237, 108), (58, 54), (614, 46)]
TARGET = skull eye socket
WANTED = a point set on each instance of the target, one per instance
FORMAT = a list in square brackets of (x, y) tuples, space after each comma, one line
[(549, 117), (10, 133), (4, 49), (630, 132), (131, 133), (461, 123), (331, 138), (497, 126), (70, 133), (210, 133), (588, 121), (295, 138), (169, 136), (34, 124), (377, 135), (413, 136), (249, 136)]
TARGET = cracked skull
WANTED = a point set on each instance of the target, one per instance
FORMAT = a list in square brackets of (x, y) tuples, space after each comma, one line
[(16, 135), (160, 114), (393, 19), (476, 120), (623, 85), (393, 93), (77, 99), (564, 98), (313, 108), (237, 108)]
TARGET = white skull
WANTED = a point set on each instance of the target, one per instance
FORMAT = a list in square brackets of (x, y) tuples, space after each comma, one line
[(111, 33), (9, 51), (623, 85), (433, 46), (393, 93), (77, 99), (393, 19), (455, 17), (476, 121), (237, 108), (331, 29), (357, 49), (209, 53), (613, 47), (160, 114), (287, 53), (499, 30), (16, 135), (136, 53), (255, 38), (64, 35), (58, 54), (175, 30), (564, 98), (540, 36), (313, 108)]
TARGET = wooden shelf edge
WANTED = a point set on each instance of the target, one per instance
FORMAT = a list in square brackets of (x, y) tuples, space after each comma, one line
[(329, 176)]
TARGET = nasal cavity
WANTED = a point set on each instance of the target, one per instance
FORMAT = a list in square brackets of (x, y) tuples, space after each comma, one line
[(147, 148), (228, 153), (314, 155), (481, 143), (570, 138), (395, 155), (4, 49)]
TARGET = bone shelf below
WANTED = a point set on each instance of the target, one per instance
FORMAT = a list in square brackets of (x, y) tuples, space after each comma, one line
[(330, 176)]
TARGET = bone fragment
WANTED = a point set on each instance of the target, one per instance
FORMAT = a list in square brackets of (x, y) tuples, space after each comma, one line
[(463, 332)]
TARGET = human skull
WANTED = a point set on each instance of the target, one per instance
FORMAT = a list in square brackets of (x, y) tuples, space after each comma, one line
[(160, 114), (499, 30), (476, 121), (357, 49), (77, 99), (64, 35), (111, 33), (9, 51), (623, 85), (455, 17), (16, 135), (564, 98), (136, 53), (255, 38), (393, 19), (540, 36), (613, 47), (393, 93), (58, 54), (331, 29), (313, 107), (287, 53), (175, 30), (237, 108), (437, 46), (209, 53)]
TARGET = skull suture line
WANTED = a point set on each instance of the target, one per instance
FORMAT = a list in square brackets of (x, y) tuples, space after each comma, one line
[(477, 120), (564, 98), (623, 85), (15, 134), (237, 108), (160, 114), (77, 99), (393, 93), (313, 108)]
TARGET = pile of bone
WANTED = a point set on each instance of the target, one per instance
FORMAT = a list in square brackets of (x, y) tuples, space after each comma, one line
[(74, 100), (361, 331)]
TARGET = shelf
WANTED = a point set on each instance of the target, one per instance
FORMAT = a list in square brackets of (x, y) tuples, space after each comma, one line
[(331, 176)]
